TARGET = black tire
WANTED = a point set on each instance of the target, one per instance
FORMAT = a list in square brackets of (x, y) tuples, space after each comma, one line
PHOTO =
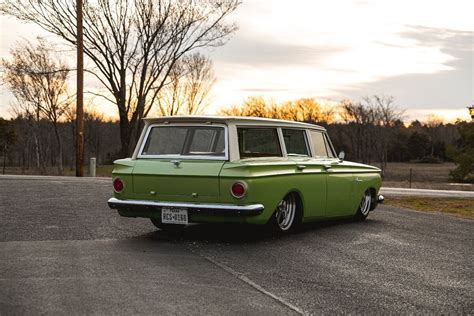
[(288, 215), (167, 227), (365, 206)]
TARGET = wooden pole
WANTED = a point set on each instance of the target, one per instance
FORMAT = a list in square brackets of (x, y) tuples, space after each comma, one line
[(80, 94), (410, 177), (4, 157)]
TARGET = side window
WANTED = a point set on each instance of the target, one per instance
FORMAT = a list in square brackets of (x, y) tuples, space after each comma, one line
[(328, 146), (258, 142), (295, 142), (319, 144)]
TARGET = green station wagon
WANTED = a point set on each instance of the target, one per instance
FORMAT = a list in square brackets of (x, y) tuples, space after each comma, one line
[(201, 169)]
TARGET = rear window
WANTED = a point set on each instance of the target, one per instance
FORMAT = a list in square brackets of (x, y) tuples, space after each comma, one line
[(185, 141), (258, 142)]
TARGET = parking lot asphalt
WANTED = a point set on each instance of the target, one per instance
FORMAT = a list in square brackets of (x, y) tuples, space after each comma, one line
[(62, 250)]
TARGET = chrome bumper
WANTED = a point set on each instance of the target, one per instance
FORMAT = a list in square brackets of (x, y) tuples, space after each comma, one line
[(193, 208), (380, 199)]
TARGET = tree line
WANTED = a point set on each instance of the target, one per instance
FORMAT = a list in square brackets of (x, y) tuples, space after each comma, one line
[(373, 131), (370, 131)]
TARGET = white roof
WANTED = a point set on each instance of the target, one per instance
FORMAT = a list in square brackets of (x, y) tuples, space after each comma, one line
[(237, 120)]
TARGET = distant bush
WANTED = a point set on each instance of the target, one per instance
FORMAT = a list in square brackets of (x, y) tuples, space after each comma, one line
[(463, 154)]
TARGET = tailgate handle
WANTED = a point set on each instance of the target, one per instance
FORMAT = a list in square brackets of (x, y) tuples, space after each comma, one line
[(176, 163)]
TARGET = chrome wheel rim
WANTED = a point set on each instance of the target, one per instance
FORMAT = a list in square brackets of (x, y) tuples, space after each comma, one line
[(365, 203), (285, 213)]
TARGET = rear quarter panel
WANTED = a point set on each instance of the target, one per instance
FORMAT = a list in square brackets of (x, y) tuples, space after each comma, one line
[(123, 169), (268, 182)]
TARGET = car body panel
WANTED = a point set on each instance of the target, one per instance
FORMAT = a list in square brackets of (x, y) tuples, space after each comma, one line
[(326, 186), (193, 179)]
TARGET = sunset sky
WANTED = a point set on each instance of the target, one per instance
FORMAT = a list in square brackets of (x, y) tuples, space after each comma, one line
[(421, 52)]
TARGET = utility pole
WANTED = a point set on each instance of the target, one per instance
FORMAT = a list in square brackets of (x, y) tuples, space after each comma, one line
[(4, 157), (80, 94)]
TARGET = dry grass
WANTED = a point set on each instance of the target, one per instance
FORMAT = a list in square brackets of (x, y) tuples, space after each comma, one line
[(424, 176), (459, 207), (421, 172)]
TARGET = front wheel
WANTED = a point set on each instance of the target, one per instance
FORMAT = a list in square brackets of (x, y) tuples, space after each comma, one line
[(167, 227), (364, 206), (288, 214)]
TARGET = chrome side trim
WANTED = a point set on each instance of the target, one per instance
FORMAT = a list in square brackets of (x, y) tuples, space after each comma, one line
[(245, 208)]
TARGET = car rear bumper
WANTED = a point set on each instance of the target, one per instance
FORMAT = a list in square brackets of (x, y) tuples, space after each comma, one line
[(193, 208)]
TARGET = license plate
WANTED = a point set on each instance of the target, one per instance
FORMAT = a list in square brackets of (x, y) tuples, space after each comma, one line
[(174, 215)]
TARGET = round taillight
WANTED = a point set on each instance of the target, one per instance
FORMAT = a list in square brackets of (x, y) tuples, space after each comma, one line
[(238, 189), (118, 185)]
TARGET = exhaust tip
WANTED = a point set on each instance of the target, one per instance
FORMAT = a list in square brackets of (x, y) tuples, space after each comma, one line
[(380, 199)]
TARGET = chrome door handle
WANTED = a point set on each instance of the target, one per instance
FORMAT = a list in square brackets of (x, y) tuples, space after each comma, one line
[(358, 180), (301, 167), (327, 167)]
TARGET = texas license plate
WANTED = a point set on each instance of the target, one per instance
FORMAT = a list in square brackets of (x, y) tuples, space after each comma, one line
[(174, 215)]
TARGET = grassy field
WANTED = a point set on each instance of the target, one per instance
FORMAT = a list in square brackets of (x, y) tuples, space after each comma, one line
[(421, 172), (424, 176), (459, 207)]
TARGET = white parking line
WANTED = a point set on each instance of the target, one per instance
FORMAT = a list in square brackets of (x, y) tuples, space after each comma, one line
[(427, 192), (243, 278)]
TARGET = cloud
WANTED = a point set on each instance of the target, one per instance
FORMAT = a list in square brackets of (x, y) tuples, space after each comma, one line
[(253, 52), (256, 90), (446, 89)]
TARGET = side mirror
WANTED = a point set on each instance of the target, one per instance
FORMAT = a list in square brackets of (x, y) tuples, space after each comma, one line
[(341, 155)]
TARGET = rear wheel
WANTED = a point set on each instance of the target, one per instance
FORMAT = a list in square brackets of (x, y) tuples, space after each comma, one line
[(168, 227), (364, 206), (288, 214)]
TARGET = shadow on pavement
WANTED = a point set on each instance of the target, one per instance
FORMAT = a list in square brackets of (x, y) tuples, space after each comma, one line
[(242, 234)]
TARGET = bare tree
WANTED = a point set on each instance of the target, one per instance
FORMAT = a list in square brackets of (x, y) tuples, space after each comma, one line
[(303, 110), (386, 114), (433, 126), (199, 81), (38, 81), (134, 44), (361, 121), (171, 98), (371, 122), (191, 81)]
